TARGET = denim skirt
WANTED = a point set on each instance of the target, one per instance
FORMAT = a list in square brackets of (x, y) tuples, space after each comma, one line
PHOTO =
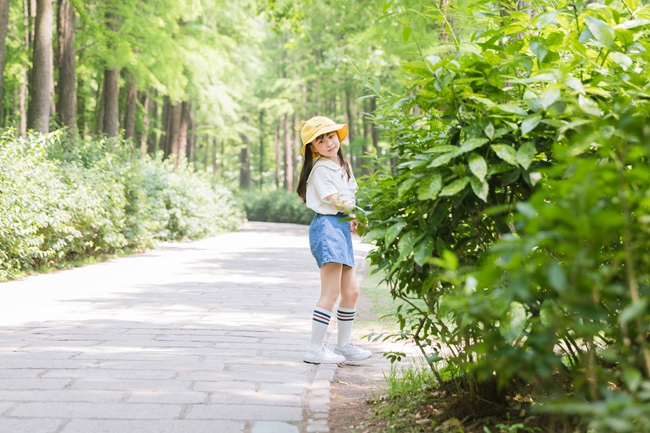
[(330, 240)]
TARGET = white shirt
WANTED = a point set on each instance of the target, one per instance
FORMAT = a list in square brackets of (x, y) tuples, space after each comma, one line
[(327, 178)]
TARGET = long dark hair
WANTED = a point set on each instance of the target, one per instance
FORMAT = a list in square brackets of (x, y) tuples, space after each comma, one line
[(308, 165)]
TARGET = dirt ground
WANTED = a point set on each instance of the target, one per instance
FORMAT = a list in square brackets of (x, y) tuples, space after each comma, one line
[(356, 381)]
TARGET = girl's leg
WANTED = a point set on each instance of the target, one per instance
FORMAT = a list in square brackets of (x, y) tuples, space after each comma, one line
[(346, 310), (330, 275)]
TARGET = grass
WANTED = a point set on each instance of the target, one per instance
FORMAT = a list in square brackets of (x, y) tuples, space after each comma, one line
[(382, 319)]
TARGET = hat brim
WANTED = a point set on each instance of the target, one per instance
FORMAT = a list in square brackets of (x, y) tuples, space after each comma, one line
[(340, 128)]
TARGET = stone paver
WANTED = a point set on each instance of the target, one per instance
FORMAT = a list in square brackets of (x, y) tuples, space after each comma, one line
[(206, 336)]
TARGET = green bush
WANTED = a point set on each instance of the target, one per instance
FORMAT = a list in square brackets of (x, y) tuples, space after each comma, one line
[(518, 209), (278, 206), (64, 199)]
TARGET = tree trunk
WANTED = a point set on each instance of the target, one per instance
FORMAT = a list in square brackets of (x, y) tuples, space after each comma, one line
[(81, 107), (154, 121), (22, 126), (111, 102), (182, 135), (245, 160), (99, 128), (131, 104), (145, 125), (191, 139), (164, 136), (66, 60), (351, 131), (175, 114), (277, 156), (4, 22), (288, 160), (39, 106)]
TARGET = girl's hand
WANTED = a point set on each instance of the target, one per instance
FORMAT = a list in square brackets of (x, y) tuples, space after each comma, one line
[(353, 226)]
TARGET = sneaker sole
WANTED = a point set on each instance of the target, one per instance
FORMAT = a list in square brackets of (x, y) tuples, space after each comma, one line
[(356, 359), (314, 361)]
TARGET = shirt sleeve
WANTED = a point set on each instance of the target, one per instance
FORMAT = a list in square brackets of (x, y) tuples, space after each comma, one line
[(324, 182)]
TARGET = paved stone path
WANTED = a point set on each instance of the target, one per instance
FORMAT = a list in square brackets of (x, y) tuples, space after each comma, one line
[(194, 337)]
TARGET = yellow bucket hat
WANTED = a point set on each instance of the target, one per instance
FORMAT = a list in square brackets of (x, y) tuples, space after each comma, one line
[(319, 125)]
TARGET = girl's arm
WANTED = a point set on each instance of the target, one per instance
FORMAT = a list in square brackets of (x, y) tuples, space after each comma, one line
[(345, 207)]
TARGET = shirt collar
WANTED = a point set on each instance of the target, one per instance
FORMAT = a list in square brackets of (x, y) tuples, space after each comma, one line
[(328, 163)]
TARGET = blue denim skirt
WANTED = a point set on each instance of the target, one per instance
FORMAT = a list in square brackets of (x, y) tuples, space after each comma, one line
[(330, 240)]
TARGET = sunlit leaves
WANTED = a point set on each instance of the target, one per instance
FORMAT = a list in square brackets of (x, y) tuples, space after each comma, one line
[(526, 154), (430, 187), (589, 106), (601, 31), (455, 187), (530, 123), (506, 153), (478, 166)]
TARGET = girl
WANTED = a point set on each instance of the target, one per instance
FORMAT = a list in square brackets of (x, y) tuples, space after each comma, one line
[(327, 186)]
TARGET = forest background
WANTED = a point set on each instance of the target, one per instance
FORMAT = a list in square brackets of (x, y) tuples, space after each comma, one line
[(502, 147)]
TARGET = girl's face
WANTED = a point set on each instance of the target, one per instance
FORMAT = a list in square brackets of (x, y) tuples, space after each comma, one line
[(327, 145)]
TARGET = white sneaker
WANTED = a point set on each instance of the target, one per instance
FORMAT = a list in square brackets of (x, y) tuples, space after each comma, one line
[(353, 353), (322, 355)]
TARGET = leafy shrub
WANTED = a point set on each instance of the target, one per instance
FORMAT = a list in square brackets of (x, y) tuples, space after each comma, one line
[(278, 206), (518, 210), (62, 199)]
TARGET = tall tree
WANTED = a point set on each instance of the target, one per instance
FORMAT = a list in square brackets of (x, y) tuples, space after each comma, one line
[(131, 104), (4, 22), (112, 88), (66, 60), (245, 163), (111, 102), (39, 105), (173, 141)]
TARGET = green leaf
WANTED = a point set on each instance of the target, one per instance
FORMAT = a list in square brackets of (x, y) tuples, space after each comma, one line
[(407, 242), (471, 144), (601, 31), (424, 250), (506, 153), (489, 130), (538, 48), (442, 149), (630, 24), (549, 96), (480, 188), (373, 235), (589, 106), (632, 311), (455, 187), (406, 185), (556, 277), (526, 154), (542, 20), (406, 34), (530, 123), (392, 232), (575, 84), (442, 160), (478, 166), (621, 59), (430, 187), (512, 109)]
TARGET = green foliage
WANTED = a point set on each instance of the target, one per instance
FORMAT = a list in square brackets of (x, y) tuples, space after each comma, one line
[(517, 210), (62, 199), (278, 206)]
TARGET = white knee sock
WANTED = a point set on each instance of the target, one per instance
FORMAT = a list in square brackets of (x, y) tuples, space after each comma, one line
[(320, 322), (345, 320)]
